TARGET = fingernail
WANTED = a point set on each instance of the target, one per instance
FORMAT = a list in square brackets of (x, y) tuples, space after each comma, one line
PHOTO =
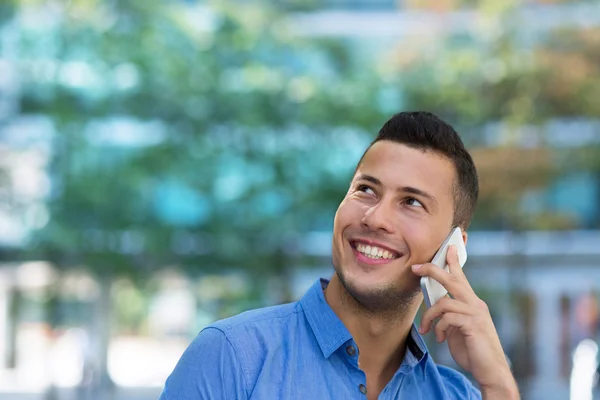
[(421, 329), (417, 266)]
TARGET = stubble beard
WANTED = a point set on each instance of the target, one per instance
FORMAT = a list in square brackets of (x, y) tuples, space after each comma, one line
[(386, 301)]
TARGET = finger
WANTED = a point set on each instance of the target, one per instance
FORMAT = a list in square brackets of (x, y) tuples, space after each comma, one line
[(455, 269), (433, 271), (442, 307), (453, 261), (448, 323), (456, 287)]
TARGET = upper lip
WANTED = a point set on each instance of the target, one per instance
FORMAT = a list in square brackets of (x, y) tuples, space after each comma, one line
[(374, 243)]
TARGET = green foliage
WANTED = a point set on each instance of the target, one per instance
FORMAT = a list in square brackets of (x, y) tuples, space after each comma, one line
[(245, 157), (246, 135)]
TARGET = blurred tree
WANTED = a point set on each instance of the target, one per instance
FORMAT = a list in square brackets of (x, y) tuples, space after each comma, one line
[(503, 86), (190, 135), (569, 62), (9, 204), (206, 102), (7, 10)]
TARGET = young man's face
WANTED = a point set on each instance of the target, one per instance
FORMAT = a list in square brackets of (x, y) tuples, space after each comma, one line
[(399, 206)]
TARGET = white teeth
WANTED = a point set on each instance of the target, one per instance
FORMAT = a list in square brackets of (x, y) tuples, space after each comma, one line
[(374, 251)]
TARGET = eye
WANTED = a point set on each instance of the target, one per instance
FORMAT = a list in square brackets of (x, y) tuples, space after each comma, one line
[(365, 189), (411, 201)]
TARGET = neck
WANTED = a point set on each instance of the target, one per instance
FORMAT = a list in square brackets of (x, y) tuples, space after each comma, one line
[(380, 336)]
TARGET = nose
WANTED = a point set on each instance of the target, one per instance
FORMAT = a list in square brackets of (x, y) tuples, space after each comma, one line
[(378, 218)]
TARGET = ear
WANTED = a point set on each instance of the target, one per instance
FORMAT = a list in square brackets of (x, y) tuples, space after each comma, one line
[(465, 236)]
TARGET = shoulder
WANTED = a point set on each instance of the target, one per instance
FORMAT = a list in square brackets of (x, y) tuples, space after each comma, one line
[(260, 329), (256, 320), (208, 369), (223, 358), (233, 336), (262, 336), (457, 385)]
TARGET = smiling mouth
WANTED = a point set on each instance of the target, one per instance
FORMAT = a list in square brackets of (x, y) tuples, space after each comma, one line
[(374, 252)]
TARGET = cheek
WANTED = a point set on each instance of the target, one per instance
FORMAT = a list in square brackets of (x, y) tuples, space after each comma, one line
[(348, 213), (420, 238), (342, 219), (339, 223)]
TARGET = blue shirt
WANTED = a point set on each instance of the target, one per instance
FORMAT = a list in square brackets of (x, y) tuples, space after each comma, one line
[(300, 350)]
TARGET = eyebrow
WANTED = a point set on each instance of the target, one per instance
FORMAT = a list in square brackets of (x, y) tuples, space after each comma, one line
[(406, 189)]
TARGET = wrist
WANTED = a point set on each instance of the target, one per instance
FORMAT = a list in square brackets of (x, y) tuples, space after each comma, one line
[(505, 390)]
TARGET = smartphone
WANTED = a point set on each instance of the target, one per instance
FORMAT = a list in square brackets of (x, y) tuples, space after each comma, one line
[(432, 290)]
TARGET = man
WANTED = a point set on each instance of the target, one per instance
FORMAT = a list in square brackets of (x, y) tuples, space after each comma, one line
[(354, 336)]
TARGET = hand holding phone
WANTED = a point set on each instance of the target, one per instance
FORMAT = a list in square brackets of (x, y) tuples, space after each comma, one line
[(463, 321), (432, 290)]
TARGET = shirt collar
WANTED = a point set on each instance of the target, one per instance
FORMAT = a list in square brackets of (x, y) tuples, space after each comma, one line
[(327, 327), (331, 332), (417, 349)]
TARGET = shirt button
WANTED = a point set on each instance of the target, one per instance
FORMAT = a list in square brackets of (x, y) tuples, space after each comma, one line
[(362, 388), (350, 350)]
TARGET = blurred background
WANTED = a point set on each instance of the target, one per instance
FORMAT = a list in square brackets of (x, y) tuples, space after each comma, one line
[(167, 163)]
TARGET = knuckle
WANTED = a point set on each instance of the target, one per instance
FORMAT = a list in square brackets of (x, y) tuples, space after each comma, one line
[(482, 305), (427, 317), (444, 302), (426, 267)]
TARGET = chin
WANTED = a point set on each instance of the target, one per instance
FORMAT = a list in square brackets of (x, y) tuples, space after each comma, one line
[(377, 294)]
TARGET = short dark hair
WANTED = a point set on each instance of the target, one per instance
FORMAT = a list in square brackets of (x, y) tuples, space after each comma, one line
[(426, 131)]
